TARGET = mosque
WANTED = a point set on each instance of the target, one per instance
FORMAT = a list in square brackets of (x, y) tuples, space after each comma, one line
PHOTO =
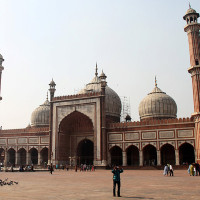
[(86, 127)]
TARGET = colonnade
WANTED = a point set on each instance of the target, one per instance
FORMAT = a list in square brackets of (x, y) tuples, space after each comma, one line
[(23, 157), (150, 156)]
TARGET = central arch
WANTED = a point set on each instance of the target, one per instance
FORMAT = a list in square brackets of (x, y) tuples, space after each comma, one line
[(73, 128), (85, 152), (150, 155)]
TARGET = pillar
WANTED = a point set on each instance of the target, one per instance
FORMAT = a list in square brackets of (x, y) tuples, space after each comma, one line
[(141, 158), (124, 158), (5, 160), (28, 158), (177, 156), (158, 158), (17, 158), (39, 158)]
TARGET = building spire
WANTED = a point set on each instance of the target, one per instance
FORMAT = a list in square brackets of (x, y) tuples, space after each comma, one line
[(96, 73), (189, 5), (47, 96), (155, 82)]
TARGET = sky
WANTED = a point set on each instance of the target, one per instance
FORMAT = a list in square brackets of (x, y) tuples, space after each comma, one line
[(131, 41)]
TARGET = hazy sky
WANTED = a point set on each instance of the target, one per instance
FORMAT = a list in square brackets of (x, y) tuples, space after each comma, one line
[(131, 40)]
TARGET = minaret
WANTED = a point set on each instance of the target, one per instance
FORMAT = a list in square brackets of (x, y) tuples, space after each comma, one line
[(192, 28), (193, 31), (1, 69), (52, 90)]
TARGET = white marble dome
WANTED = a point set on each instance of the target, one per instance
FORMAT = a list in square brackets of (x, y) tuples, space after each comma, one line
[(157, 105), (40, 116), (112, 100)]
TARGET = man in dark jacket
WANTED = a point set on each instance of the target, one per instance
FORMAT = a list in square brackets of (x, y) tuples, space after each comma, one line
[(116, 180)]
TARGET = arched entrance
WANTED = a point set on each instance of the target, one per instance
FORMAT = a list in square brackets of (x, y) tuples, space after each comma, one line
[(22, 156), (2, 155), (186, 154), (34, 156), (11, 156), (44, 155), (85, 152), (149, 155), (116, 156), (167, 154), (132, 156), (73, 127)]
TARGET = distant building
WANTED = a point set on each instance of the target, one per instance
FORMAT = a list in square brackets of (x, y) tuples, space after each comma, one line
[(86, 127)]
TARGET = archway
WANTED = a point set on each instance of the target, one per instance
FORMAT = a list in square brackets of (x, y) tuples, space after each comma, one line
[(34, 156), (71, 128), (150, 155), (167, 154), (22, 156), (186, 154), (132, 156), (116, 156), (85, 152), (44, 155), (11, 156), (2, 155)]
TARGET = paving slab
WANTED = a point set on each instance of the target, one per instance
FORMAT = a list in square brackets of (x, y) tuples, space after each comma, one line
[(135, 184)]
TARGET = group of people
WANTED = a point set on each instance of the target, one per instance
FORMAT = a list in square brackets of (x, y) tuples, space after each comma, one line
[(194, 169), (168, 169), (84, 167)]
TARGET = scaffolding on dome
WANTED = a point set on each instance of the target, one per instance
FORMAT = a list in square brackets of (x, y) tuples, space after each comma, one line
[(126, 109)]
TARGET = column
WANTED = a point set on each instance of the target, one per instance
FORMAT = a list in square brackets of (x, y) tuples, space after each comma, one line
[(28, 158), (141, 158), (158, 158), (124, 158), (17, 158), (39, 158), (177, 156), (5, 160)]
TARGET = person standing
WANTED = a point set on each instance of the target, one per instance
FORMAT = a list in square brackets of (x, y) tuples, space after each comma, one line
[(165, 170), (51, 168), (116, 180), (171, 171)]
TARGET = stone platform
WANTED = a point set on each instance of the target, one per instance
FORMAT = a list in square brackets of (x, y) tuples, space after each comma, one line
[(136, 184)]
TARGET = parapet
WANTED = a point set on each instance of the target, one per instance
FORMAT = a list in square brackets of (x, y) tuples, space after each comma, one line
[(150, 122), (77, 96)]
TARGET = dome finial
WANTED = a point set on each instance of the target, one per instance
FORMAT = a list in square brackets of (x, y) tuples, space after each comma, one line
[(96, 73), (47, 96), (189, 5), (155, 82)]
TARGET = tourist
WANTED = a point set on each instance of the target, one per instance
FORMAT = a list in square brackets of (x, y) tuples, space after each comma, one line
[(165, 170), (51, 168), (76, 167), (197, 169), (116, 180), (191, 170), (171, 170)]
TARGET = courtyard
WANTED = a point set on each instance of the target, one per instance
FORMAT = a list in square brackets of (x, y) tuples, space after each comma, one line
[(135, 184)]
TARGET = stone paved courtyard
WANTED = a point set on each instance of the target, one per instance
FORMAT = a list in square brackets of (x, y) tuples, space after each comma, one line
[(136, 184)]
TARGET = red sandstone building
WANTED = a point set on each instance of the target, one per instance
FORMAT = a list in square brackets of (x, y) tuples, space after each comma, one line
[(86, 127)]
